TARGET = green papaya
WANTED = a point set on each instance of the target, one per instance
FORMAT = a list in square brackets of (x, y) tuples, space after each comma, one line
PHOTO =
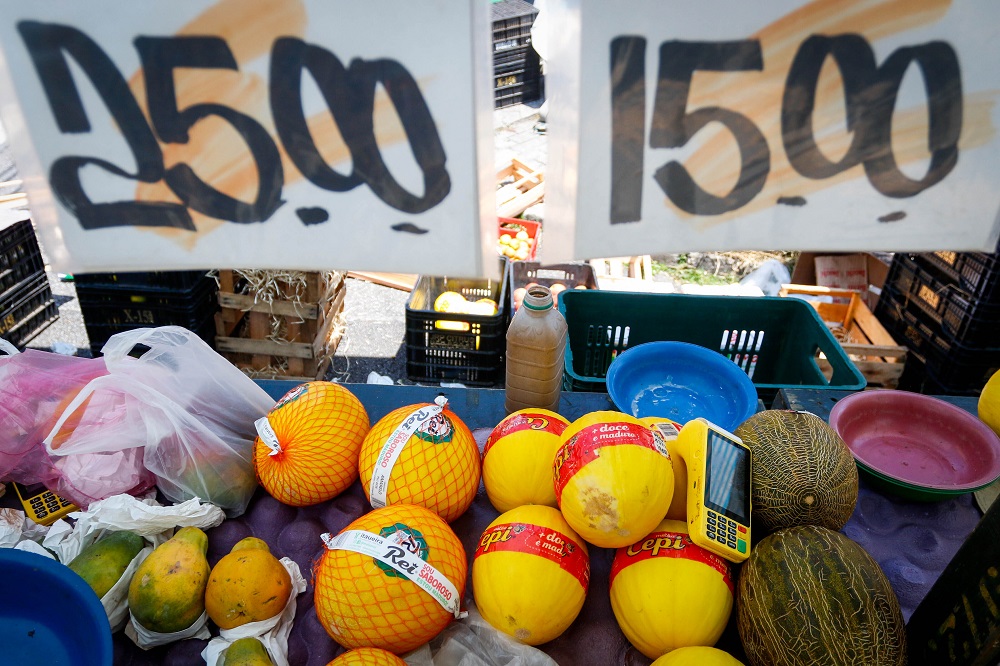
[(167, 593), (103, 562), (247, 652)]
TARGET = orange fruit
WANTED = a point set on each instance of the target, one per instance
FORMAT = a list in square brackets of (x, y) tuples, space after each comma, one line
[(530, 574), (517, 459), (319, 427), (668, 430), (247, 585), (364, 602), (668, 593), (437, 467), (367, 657), (697, 655), (614, 480)]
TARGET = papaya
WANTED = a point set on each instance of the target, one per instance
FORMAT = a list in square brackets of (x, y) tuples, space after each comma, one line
[(103, 562), (247, 652), (247, 585), (167, 592)]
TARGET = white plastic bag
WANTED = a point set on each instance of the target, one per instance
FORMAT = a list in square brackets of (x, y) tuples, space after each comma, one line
[(190, 410)]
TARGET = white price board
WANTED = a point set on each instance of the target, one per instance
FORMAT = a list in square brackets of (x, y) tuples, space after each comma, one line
[(780, 125), (301, 134)]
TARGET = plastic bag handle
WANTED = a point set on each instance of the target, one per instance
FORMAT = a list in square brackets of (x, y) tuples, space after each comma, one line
[(147, 395), (119, 345), (8, 347)]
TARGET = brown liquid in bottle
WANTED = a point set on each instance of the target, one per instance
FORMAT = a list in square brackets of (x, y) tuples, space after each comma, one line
[(536, 343)]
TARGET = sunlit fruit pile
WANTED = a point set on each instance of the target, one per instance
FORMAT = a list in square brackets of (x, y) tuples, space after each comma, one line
[(516, 245)]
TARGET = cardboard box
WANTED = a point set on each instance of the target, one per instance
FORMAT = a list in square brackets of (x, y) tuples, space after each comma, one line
[(845, 269)]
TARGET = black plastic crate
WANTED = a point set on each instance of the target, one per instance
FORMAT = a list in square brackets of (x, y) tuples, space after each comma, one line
[(20, 257), (165, 280), (975, 273), (571, 276), (517, 94), (452, 347), (107, 311), (29, 314), (100, 333), (962, 317)]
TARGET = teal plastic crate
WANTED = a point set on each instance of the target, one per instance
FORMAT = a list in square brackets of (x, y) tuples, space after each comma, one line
[(774, 340)]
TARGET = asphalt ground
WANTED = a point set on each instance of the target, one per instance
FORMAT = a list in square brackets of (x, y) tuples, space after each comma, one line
[(374, 339)]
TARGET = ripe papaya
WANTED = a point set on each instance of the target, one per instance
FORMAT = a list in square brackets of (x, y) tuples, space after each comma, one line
[(247, 585), (247, 652), (167, 592), (103, 562)]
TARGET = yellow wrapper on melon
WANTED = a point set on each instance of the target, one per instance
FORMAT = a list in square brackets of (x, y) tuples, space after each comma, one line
[(613, 479), (517, 459), (667, 592), (530, 574)]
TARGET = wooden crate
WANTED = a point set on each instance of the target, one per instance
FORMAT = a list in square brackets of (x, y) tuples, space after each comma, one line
[(518, 187), (310, 325), (870, 347)]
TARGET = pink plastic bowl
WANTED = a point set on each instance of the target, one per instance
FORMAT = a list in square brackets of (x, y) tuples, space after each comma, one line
[(918, 441)]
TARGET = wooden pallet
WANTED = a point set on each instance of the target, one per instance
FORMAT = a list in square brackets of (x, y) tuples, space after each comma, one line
[(527, 189), (313, 328), (870, 347)]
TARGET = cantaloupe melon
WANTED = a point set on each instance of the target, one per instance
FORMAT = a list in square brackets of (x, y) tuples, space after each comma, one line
[(809, 595), (803, 472)]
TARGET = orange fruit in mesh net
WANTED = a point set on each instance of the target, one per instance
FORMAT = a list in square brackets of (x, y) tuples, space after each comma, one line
[(367, 657), (530, 574), (437, 465), (614, 479), (517, 459), (318, 428), (362, 601)]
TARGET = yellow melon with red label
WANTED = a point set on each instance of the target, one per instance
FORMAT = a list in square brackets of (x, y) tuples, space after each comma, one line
[(668, 431), (614, 480), (517, 459), (421, 454), (530, 574), (668, 593)]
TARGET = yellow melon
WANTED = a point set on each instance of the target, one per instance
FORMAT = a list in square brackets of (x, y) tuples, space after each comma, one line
[(989, 403), (668, 593), (669, 430), (614, 480), (437, 465), (517, 459), (367, 657), (697, 656), (530, 574), (318, 429), (364, 602)]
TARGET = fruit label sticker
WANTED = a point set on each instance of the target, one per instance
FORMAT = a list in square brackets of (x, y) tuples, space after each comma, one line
[(524, 421), (291, 396), (669, 544), (545, 542), (267, 435), (394, 446), (395, 551), (586, 445)]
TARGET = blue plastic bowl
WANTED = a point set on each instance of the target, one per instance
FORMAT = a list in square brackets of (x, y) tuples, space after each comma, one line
[(49, 615), (681, 381)]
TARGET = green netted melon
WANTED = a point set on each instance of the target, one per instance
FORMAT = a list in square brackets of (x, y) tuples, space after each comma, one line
[(803, 473), (811, 596)]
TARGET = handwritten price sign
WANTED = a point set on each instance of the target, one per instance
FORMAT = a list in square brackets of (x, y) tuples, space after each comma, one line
[(823, 125), (299, 134)]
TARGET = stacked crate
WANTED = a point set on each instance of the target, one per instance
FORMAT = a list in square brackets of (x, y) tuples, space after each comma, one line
[(26, 302), (517, 72), (116, 302), (945, 306)]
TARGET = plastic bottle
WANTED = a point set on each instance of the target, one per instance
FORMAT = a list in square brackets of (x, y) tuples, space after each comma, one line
[(536, 342)]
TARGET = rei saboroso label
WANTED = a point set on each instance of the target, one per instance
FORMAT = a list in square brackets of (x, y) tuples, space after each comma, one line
[(401, 553), (427, 423), (585, 446), (673, 545), (524, 421), (545, 542)]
